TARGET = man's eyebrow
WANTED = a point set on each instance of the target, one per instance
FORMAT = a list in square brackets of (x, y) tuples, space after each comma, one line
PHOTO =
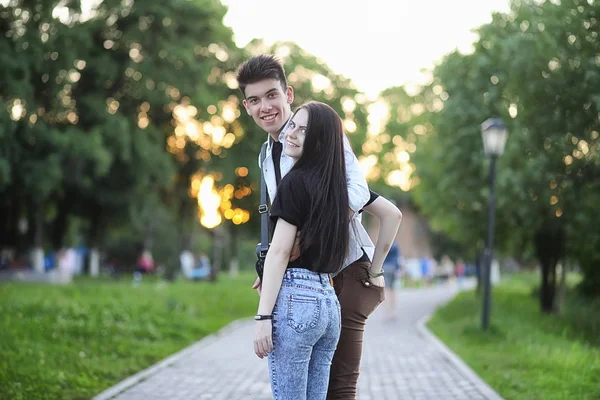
[(266, 93)]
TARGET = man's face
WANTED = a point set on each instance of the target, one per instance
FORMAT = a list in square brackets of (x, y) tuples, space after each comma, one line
[(295, 134), (269, 104)]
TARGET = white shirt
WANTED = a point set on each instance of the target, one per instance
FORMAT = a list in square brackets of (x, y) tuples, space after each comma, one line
[(358, 194)]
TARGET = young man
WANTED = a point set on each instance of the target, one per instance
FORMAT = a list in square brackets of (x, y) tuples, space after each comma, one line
[(359, 286)]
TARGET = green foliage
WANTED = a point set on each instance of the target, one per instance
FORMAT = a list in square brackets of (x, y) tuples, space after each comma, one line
[(96, 143), (73, 342), (526, 355), (537, 69)]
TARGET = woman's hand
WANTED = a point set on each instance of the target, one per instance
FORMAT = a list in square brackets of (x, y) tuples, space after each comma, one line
[(263, 338)]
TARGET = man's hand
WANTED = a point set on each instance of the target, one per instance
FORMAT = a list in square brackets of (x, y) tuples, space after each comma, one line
[(295, 253), (377, 281), (257, 285)]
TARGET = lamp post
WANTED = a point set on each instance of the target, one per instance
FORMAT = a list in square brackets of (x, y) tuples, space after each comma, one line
[(494, 134)]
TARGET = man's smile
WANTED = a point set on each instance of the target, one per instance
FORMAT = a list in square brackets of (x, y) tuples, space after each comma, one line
[(269, 117)]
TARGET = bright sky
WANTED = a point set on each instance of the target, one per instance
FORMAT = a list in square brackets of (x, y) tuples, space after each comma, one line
[(376, 43)]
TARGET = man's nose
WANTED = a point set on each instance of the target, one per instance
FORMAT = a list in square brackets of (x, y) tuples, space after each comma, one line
[(265, 105)]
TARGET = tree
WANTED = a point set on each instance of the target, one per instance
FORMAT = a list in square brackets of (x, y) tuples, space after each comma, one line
[(92, 103), (537, 68)]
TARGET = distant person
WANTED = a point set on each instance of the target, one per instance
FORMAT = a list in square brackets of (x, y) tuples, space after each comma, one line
[(424, 264), (391, 269), (144, 265), (446, 269), (202, 268), (432, 269), (4, 259), (186, 262), (66, 264), (459, 271)]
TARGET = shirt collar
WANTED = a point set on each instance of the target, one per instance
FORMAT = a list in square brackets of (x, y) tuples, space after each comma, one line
[(281, 133), (283, 129)]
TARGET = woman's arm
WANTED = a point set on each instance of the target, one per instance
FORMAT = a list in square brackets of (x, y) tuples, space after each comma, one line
[(275, 265), (276, 262), (389, 217)]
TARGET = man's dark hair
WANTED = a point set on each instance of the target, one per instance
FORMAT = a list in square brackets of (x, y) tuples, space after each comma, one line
[(258, 68), (322, 168)]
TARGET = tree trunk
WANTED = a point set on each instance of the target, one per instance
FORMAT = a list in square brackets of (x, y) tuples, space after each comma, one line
[(478, 272), (184, 216), (148, 234), (38, 242), (9, 220), (93, 237), (548, 288), (234, 264), (217, 255), (59, 226), (549, 248), (94, 260), (562, 290)]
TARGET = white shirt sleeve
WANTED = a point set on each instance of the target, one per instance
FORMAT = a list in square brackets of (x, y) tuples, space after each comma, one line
[(358, 190)]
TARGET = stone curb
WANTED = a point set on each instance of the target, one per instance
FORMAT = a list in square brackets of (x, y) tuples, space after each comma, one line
[(455, 360), (133, 380)]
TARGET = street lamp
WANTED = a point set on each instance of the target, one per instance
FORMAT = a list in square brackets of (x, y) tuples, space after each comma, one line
[(494, 134)]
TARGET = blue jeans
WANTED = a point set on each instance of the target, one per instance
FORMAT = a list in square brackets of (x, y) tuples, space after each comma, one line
[(306, 329)]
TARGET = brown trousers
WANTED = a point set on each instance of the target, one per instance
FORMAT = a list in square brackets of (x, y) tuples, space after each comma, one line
[(358, 299)]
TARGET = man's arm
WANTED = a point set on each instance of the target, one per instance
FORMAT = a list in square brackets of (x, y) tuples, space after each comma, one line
[(389, 222), (358, 191)]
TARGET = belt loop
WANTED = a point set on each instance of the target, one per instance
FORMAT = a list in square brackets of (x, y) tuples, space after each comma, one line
[(320, 280)]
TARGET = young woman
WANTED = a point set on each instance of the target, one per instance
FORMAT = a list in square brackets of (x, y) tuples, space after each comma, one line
[(298, 320)]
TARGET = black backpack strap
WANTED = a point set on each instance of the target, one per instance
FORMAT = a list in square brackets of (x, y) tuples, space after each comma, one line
[(263, 208)]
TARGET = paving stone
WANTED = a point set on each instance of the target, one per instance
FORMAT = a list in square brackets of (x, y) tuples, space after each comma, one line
[(399, 362)]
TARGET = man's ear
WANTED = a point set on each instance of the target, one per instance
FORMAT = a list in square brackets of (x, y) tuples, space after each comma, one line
[(245, 103), (289, 93)]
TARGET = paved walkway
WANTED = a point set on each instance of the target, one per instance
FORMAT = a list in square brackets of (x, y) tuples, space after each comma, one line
[(401, 360)]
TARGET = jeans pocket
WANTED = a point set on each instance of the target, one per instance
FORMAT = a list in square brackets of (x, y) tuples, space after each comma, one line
[(303, 312)]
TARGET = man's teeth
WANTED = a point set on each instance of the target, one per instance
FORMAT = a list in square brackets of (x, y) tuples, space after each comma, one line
[(269, 117)]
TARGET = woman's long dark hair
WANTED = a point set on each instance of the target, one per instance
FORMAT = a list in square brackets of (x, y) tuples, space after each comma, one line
[(322, 169)]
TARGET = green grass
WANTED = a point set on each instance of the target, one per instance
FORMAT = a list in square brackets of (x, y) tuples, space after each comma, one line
[(526, 355), (71, 342)]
